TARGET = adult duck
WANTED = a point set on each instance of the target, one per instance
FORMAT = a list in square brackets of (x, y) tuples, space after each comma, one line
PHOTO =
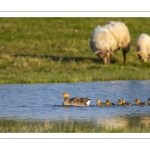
[(138, 102), (77, 101)]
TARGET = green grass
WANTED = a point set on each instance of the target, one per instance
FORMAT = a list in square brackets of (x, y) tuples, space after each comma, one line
[(10, 126), (52, 50)]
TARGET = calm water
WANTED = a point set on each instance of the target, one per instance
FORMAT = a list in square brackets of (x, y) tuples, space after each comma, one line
[(43, 102)]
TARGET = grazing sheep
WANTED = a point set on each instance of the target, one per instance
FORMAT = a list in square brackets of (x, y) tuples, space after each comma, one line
[(143, 47), (105, 40)]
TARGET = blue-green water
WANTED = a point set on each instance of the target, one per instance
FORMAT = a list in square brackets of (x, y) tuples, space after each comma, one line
[(43, 102)]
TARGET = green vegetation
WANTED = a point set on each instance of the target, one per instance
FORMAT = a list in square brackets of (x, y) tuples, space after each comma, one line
[(49, 50), (9, 126)]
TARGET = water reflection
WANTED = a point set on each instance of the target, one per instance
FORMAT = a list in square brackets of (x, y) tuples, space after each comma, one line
[(124, 121), (43, 102)]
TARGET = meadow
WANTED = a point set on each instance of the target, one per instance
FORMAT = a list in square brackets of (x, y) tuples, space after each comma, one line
[(53, 50)]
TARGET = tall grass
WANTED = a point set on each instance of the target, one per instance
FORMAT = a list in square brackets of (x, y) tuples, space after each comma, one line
[(9, 126), (42, 50)]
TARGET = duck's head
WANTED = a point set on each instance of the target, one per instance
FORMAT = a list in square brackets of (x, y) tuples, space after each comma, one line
[(98, 101), (108, 101), (65, 95), (137, 101), (120, 102), (148, 100)]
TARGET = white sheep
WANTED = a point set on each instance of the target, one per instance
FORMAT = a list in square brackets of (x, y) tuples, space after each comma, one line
[(105, 40), (143, 47)]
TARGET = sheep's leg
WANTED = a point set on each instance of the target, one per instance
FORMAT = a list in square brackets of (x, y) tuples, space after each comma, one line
[(108, 60), (149, 57), (105, 60), (124, 55), (124, 51), (108, 57), (100, 60)]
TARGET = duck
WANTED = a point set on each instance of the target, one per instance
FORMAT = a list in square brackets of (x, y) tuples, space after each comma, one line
[(122, 102), (99, 103), (148, 101), (109, 103), (77, 101), (138, 102)]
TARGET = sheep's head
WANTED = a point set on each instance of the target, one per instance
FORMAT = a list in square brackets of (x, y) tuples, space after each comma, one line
[(104, 56), (142, 56)]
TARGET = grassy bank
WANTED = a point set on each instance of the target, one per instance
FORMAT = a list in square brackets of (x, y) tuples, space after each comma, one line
[(9, 126), (48, 50)]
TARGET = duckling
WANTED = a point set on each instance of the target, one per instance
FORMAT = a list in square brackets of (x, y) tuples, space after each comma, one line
[(109, 103), (148, 101), (122, 102), (99, 103), (138, 102), (77, 101)]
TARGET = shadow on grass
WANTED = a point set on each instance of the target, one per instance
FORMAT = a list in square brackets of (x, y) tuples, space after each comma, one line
[(65, 59), (60, 58)]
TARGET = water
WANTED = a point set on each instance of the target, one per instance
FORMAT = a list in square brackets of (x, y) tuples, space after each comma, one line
[(43, 102)]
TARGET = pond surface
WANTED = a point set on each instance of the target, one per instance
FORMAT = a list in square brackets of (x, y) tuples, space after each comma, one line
[(43, 102)]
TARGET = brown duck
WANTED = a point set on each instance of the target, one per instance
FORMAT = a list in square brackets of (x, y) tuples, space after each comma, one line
[(122, 102), (99, 103), (138, 102), (77, 101), (107, 103)]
